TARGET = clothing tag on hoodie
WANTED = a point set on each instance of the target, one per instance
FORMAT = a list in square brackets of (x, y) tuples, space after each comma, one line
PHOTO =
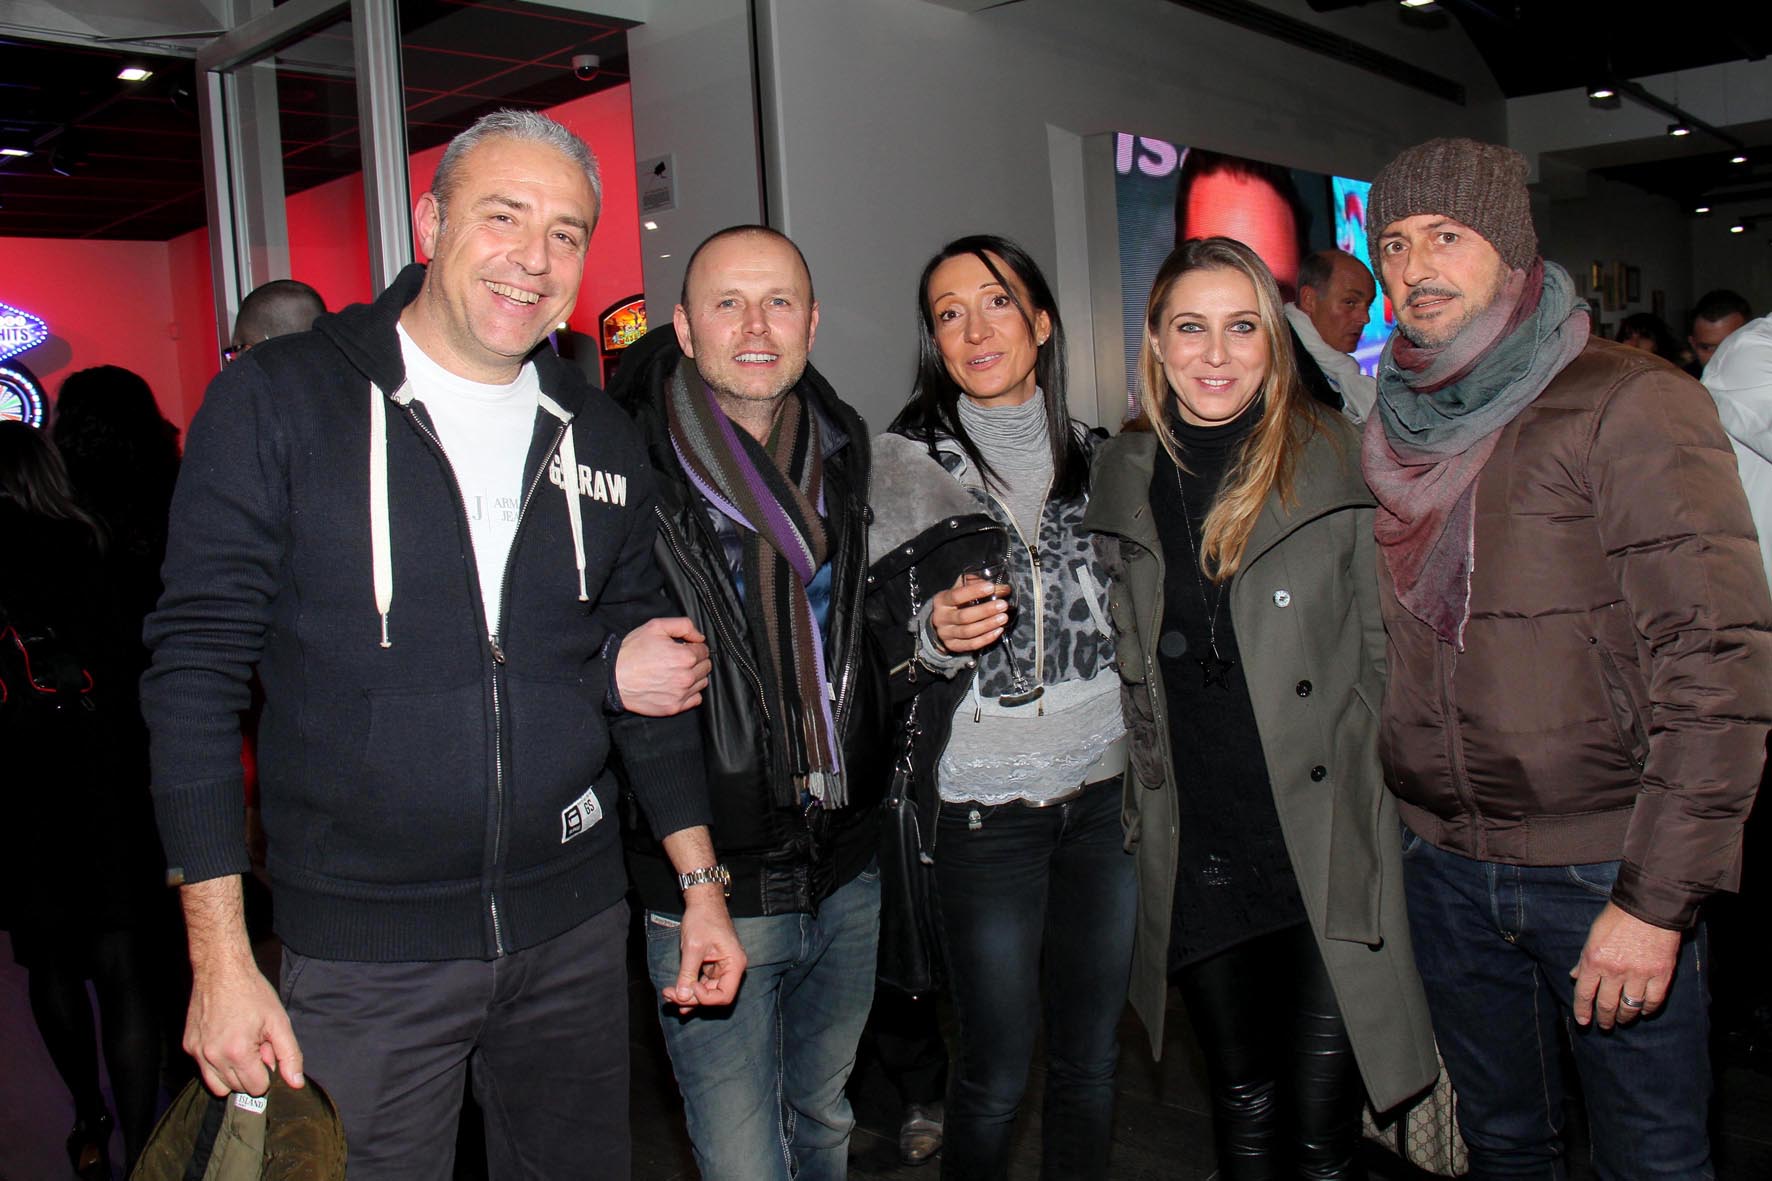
[(247, 1102), (579, 815)]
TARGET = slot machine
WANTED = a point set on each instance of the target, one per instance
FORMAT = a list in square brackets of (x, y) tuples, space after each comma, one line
[(620, 325)]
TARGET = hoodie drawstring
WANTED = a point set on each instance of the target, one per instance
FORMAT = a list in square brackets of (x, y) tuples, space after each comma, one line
[(569, 484), (381, 555)]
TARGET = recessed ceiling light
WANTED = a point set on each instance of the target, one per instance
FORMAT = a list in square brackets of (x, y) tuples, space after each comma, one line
[(1417, 3), (1702, 209), (1738, 159), (134, 74), (664, 256), (16, 153), (651, 225), (1738, 228), (1678, 129), (1601, 92)]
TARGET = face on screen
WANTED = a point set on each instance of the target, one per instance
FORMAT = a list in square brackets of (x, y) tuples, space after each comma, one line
[(1249, 209)]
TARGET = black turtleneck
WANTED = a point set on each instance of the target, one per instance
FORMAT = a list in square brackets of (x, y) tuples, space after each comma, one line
[(1233, 878)]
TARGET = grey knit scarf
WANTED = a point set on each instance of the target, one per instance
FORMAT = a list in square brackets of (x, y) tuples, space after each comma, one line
[(1440, 414)]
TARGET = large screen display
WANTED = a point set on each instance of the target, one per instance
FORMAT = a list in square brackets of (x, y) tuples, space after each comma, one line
[(1165, 193)]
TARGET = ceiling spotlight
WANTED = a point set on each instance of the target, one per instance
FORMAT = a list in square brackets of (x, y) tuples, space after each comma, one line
[(651, 225), (14, 151), (1601, 92), (1739, 227), (1678, 129), (1738, 159), (1417, 3), (1702, 209), (134, 74)]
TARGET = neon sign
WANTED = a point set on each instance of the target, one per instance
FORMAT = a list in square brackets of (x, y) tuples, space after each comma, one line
[(19, 331), (21, 398)]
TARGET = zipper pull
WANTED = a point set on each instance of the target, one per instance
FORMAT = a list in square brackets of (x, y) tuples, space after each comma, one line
[(498, 653)]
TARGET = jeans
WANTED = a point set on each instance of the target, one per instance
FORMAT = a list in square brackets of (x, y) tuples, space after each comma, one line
[(762, 1081), (542, 1033), (1035, 901), (1286, 1090), (1495, 944)]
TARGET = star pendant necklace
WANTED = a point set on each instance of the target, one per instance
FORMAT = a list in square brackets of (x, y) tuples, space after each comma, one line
[(1214, 669)]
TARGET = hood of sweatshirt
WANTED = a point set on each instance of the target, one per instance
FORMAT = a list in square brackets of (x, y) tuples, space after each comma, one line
[(366, 334)]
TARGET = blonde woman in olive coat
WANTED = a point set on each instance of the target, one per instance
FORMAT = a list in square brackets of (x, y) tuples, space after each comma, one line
[(1237, 533)]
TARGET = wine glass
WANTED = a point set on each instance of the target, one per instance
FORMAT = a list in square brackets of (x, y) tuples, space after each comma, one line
[(987, 573)]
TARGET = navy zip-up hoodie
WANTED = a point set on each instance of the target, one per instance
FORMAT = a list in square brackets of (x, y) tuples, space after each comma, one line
[(441, 796)]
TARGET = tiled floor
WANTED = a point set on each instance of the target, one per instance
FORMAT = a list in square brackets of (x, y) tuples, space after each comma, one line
[(1162, 1126)]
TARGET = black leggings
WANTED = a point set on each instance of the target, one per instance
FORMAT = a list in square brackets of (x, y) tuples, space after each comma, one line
[(115, 963), (1286, 1091)]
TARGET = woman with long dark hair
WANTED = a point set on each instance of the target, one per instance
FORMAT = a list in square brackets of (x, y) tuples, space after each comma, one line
[(80, 860), (122, 459), (1238, 533), (1018, 750)]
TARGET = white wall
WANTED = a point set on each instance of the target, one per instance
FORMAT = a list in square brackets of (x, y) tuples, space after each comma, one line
[(692, 94), (1740, 262), (1615, 222), (896, 125)]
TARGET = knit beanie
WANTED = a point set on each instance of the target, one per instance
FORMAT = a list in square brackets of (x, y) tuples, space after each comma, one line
[(1482, 185)]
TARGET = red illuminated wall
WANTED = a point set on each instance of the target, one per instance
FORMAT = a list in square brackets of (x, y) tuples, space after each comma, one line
[(150, 306), (106, 303)]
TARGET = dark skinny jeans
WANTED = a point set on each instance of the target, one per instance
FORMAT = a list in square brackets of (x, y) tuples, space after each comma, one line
[(1037, 906)]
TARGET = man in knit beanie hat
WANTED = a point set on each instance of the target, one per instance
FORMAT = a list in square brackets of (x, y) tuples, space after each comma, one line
[(1577, 710)]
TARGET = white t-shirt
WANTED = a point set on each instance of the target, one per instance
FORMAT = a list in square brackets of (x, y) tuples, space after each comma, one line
[(485, 431)]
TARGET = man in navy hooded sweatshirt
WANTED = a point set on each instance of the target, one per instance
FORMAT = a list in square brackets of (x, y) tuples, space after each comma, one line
[(433, 542)]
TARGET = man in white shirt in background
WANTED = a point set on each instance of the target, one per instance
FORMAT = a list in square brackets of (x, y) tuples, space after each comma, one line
[(1335, 293)]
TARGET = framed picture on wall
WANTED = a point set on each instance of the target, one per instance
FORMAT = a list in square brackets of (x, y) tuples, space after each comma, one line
[(1633, 284), (1612, 287), (1594, 272)]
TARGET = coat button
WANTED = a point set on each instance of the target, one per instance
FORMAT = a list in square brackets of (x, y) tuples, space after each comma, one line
[(1304, 688), (1282, 598), (1319, 773)]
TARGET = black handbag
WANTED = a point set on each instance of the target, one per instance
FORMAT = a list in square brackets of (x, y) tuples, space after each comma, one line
[(910, 934), (39, 673)]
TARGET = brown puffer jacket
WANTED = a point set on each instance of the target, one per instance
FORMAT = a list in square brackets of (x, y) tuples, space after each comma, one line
[(1614, 694)]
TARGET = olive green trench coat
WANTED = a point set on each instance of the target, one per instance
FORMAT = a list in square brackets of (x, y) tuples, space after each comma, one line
[(1305, 607)]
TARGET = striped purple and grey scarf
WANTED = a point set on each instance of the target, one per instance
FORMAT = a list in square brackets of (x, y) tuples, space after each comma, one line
[(774, 493)]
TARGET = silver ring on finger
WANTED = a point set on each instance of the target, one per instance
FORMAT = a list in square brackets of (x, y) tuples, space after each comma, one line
[(1629, 1001)]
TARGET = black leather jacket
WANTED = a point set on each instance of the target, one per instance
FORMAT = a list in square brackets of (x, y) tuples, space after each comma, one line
[(782, 860)]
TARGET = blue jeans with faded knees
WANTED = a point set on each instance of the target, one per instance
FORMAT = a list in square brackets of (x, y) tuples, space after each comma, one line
[(1495, 944), (763, 1080)]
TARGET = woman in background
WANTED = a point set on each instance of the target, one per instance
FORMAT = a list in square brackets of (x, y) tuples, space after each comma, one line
[(1237, 532), (81, 862), (1019, 726)]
